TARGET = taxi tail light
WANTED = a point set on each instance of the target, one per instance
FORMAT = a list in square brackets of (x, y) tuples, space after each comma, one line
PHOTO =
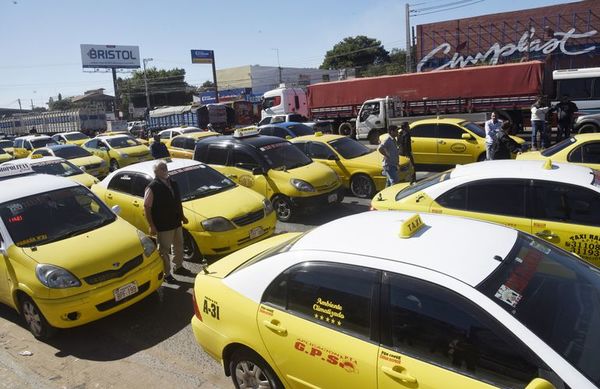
[(196, 309)]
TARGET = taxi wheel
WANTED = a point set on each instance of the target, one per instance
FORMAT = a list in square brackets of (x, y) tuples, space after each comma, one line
[(35, 320), (362, 186), (481, 157), (283, 208), (114, 165), (191, 252), (249, 370)]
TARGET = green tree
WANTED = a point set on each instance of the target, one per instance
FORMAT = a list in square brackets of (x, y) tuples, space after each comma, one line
[(60, 105), (360, 51), (396, 65)]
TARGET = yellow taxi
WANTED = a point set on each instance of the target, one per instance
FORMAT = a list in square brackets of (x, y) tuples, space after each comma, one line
[(5, 155), (359, 167), (67, 259), (72, 137), (445, 141), (222, 216), (24, 145), (55, 166), (401, 300), (8, 146), (182, 146), (582, 149), (127, 133), (556, 202), (273, 167), (92, 164), (118, 150), (171, 133)]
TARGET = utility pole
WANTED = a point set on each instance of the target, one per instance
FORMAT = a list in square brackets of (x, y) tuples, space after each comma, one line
[(32, 105), (20, 109), (408, 45), (146, 60), (278, 66), (214, 71)]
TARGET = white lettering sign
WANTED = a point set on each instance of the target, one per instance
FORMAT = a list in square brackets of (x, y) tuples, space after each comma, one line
[(525, 44)]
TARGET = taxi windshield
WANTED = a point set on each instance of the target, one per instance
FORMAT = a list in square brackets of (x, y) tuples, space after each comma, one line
[(71, 152), (200, 181), (122, 141), (57, 168), (424, 183), (349, 148), (300, 129), (558, 147), (52, 216), (6, 143), (76, 136), (190, 130), (556, 296), (480, 132), (284, 155), (2, 151), (37, 143)]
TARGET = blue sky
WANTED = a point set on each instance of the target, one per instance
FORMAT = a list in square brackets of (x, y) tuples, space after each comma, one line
[(40, 53)]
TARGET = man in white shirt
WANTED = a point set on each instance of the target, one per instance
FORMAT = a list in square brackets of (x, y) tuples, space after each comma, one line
[(492, 127)]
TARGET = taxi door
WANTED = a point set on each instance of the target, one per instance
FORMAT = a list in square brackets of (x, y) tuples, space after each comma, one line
[(322, 338), (569, 217), (325, 155), (20, 150), (424, 143), (452, 148), (119, 192), (241, 168)]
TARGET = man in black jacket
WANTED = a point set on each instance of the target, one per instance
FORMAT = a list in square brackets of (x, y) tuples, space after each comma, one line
[(159, 149), (503, 145), (164, 213), (565, 116)]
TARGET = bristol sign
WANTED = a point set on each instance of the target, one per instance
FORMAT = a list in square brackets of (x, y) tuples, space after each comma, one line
[(525, 44)]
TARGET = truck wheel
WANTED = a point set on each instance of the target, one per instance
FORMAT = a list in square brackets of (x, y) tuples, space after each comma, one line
[(249, 370), (588, 129), (35, 320), (346, 129), (373, 137), (283, 208), (362, 186)]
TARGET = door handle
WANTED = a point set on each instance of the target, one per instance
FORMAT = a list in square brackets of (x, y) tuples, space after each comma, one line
[(396, 374), (546, 234), (136, 204), (232, 176), (441, 142), (275, 327), (378, 122)]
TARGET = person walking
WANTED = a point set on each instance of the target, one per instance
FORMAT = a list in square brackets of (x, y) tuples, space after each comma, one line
[(389, 150), (405, 145), (565, 116), (159, 149), (492, 126), (164, 212), (538, 124), (504, 145)]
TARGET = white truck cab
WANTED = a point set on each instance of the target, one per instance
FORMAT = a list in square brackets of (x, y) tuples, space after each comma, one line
[(282, 101)]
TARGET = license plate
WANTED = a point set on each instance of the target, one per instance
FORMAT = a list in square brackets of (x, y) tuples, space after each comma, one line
[(256, 232), (332, 197), (125, 291)]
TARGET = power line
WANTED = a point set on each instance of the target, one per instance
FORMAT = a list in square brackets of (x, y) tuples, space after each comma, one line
[(448, 9)]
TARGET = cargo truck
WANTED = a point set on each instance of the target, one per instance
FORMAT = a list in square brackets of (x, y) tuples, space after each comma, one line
[(221, 117)]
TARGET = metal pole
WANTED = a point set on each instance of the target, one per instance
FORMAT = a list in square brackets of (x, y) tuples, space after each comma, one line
[(408, 46), (116, 99), (146, 60), (214, 69)]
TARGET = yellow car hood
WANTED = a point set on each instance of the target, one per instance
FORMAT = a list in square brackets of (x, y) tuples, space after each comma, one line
[(5, 157), (228, 204), (321, 177), (84, 161), (517, 139), (134, 151), (89, 253), (78, 142), (85, 179), (386, 199)]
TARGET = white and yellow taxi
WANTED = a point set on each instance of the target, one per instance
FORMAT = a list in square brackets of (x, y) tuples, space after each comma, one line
[(5, 155), (79, 156), (72, 137), (118, 150), (401, 300), (182, 146), (24, 145), (55, 166), (67, 259), (582, 149), (171, 133), (8, 146), (222, 216), (557, 202), (273, 167), (359, 167)]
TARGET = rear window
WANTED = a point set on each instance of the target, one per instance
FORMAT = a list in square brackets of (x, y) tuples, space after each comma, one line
[(558, 147), (72, 152), (423, 184)]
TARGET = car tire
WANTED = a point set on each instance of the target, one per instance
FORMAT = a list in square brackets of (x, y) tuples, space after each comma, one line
[(362, 186), (588, 129), (481, 157), (114, 165), (346, 129), (249, 370), (373, 137), (283, 208), (34, 319), (191, 252)]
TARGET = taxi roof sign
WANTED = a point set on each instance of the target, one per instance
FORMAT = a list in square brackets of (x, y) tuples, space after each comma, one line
[(548, 164), (410, 226), (15, 169), (245, 132)]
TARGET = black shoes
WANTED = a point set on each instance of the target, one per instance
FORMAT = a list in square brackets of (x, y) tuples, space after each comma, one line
[(170, 279)]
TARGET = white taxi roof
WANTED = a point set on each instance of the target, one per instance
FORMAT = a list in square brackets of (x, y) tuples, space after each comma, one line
[(15, 188), (458, 247), (181, 128), (30, 137), (147, 168), (69, 133), (35, 161)]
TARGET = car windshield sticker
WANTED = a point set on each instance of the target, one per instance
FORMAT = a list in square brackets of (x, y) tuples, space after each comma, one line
[(273, 146), (540, 247), (346, 362), (329, 312), (185, 169), (15, 208), (508, 295), (15, 219)]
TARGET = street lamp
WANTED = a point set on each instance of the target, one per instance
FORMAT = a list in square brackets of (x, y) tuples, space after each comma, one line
[(146, 60)]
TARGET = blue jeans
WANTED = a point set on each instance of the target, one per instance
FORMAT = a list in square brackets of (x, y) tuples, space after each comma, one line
[(391, 175), (539, 127)]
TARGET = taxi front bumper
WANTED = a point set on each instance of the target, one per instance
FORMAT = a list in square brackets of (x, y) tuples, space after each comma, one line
[(97, 303), (319, 200)]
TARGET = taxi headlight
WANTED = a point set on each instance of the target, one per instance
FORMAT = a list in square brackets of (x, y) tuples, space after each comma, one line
[(268, 206), (124, 155), (217, 224), (147, 244), (302, 185), (56, 277)]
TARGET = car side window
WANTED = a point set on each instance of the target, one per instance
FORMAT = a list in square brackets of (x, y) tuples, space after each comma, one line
[(499, 197), (333, 295), (423, 131), (27, 145), (449, 131), (122, 183), (189, 144), (566, 203), (302, 146), (319, 151), (216, 155), (19, 143), (43, 152), (455, 198), (587, 153), (165, 135), (93, 144), (440, 327), (178, 142), (266, 131), (244, 160), (139, 184), (280, 132)]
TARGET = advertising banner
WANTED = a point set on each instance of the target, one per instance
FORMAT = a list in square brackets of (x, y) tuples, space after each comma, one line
[(110, 56)]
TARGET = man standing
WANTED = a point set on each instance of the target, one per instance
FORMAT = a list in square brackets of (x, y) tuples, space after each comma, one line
[(405, 145), (159, 149), (162, 205), (565, 115), (538, 124), (504, 146), (492, 126), (389, 150)]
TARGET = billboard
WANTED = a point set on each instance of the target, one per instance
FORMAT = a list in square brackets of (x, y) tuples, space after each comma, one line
[(202, 56), (110, 56)]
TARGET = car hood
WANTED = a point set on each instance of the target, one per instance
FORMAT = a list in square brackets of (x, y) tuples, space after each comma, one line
[(84, 179), (321, 177), (220, 204), (386, 199), (77, 142), (84, 161), (517, 139), (133, 150)]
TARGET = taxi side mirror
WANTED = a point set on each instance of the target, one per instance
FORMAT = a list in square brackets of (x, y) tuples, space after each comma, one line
[(540, 383), (333, 157), (466, 136), (258, 171), (116, 209)]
